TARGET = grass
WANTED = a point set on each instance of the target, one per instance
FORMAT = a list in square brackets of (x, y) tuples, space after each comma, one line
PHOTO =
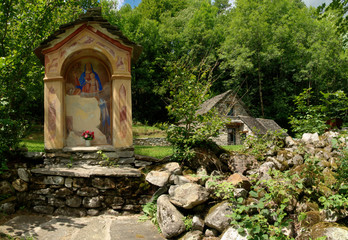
[(233, 147), (154, 151), (144, 131)]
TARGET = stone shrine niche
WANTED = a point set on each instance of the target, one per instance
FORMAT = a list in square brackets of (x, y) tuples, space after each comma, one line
[(87, 83), (87, 101)]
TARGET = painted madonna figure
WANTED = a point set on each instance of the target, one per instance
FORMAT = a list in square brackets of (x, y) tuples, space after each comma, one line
[(89, 82)]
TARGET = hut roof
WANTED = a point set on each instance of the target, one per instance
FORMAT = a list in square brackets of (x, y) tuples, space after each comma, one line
[(92, 15)]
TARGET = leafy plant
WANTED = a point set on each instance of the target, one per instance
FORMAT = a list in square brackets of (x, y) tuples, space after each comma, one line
[(188, 87), (259, 144), (106, 160), (188, 222), (150, 211), (312, 118)]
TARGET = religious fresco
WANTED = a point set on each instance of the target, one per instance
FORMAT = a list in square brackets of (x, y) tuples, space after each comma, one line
[(52, 113), (123, 111), (88, 101)]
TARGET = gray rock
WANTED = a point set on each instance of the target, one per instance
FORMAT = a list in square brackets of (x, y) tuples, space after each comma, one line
[(232, 234), (43, 209), (23, 174), (103, 183), (332, 231), (330, 215), (172, 189), (6, 188), (197, 223), (189, 195), (296, 160), (139, 163), (240, 193), (289, 230), (172, 167), (20, 185), (289, 141), (92, 212), (264, 169), (158, 178), (211, 233), (8, 208), (217, 216), (88, 192), (310, 137), (53, 180), (240, 163), (56, 202), (169, 218), (91, 202), (68, 182), (79, 182), (124, 161), (195, 235), (73, 201), (43, 191), (180, 180), (114, 202), (72, 212), (63, 192)]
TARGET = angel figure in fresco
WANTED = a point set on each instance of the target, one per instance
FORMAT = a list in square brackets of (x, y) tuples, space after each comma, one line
[(89, 81)]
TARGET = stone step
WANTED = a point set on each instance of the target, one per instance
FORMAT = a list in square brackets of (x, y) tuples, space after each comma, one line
[(87, 171)]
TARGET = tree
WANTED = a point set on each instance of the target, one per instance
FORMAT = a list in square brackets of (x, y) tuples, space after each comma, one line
[(274, 49), (189, 86), (25, 24)]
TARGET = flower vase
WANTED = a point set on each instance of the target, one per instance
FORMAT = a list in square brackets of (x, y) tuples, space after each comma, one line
[(88, 143)]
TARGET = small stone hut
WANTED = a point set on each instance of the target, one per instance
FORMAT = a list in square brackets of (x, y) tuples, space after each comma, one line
[(87, 83), (240, 123)]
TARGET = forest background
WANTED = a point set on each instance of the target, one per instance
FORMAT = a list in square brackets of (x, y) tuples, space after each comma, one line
[(266, 51)]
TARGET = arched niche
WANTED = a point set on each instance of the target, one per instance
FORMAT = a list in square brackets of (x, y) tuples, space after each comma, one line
[(88, 43), (87, 98)]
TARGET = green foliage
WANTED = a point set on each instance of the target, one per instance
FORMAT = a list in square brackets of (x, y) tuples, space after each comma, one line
[(259, 144), (264, 218), (25, 24), (150, 213), (311, 118), (106, 160), (188, 222), (154, 151), (189, 87), (336, 201)]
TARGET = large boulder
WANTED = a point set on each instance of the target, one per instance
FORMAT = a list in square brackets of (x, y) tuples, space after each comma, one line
[(217, 216), (232, 233), (310, 137), (158, 178), (239, 181), (332, 231), (239, 163), (189, 195), (195, 235), (170, 220), (207, 159)]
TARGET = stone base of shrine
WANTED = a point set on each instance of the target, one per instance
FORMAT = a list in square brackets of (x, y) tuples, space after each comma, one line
[(94, 155), (77, 182)]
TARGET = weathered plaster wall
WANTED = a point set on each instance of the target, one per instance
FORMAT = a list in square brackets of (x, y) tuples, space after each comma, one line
[(66, 116)]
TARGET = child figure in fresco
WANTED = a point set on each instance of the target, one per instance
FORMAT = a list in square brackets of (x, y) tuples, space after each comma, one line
[(93, 84), (88, 80)]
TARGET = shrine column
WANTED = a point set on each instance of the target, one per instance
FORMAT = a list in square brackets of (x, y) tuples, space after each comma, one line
[(122, 111), (54, 112)]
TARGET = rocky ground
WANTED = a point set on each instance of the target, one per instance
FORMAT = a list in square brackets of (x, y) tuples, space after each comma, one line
[(197, 202)]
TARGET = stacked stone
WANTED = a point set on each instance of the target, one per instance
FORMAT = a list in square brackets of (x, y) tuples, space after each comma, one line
[(151, 142), (78, 195), (183, 195)]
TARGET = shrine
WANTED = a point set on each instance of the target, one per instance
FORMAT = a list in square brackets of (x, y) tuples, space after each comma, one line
[(87, 84)]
